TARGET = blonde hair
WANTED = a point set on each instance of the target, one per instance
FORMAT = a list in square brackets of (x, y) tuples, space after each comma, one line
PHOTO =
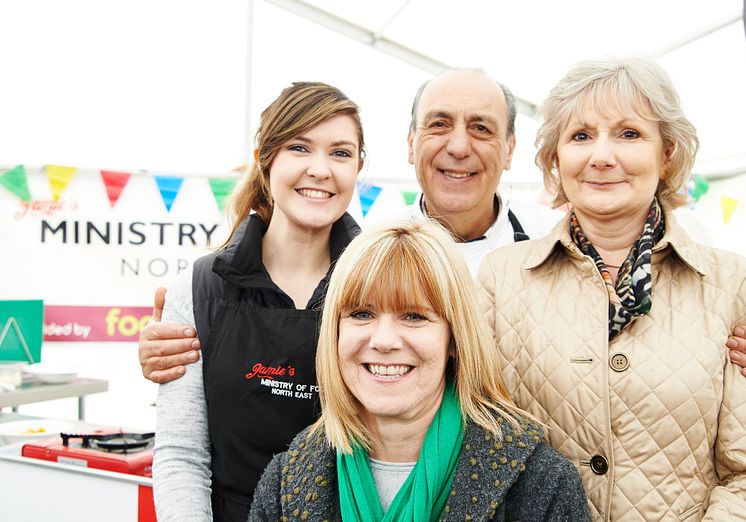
[(298, 108), (397, 266), (632, 84)]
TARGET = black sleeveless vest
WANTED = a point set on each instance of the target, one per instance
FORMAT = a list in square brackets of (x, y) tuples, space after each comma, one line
[(259, 355)]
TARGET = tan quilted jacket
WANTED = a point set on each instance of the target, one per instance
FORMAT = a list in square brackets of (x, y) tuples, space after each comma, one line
[(655, 421)]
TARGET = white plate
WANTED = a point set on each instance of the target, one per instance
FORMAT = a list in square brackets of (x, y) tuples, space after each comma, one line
[(52, 374), (33, 429)]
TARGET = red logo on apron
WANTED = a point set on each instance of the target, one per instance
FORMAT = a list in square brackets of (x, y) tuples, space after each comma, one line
[(270, 372)]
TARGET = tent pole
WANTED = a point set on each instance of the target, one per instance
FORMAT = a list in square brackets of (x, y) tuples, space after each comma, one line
[(249, 68), (701, 33), (379, 42)]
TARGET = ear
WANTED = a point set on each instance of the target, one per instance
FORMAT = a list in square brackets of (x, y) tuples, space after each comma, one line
[(256, 156), (667, 152), (410, 140), (555, 184), (511, 148)]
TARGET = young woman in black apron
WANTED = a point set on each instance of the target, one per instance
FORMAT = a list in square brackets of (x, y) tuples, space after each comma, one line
[(255, 304)]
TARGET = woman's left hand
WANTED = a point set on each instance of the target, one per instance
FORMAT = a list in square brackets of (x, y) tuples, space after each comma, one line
[(737, 345)]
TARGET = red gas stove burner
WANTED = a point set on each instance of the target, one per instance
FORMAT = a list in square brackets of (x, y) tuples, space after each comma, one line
[(130, 453)]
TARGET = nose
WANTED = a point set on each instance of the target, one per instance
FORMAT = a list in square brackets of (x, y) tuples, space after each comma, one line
[(602, 154), (384, 335), (459, 144), (319, 166)]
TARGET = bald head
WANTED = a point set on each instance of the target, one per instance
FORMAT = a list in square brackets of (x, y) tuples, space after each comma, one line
[(502, 92)]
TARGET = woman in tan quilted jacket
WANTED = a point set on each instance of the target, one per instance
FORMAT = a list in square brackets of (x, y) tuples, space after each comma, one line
[(611, 329)]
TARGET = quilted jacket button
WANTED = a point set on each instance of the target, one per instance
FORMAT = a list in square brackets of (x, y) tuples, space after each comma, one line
[(619, 362), (599, 464)]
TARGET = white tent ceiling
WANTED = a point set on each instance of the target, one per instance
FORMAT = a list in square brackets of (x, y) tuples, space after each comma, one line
[(162, 85), (529, 45)]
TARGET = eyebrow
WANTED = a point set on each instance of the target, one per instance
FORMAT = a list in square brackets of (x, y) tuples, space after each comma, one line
[(624, 122), (437, 114), (482, 117), (337, 143), (469, 117)]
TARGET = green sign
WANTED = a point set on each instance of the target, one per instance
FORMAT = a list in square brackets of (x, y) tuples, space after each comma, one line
[(21, 330)]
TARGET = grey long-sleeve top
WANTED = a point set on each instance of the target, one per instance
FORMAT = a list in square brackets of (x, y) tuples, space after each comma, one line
[(181, 463)]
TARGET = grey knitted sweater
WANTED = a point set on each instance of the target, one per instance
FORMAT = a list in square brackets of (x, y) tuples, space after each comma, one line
[(517, 478)]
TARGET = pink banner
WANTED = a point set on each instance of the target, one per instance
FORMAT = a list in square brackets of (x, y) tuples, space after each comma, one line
[(94, 323)]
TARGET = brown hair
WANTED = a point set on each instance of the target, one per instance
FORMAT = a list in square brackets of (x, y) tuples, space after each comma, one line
[(297, 109)]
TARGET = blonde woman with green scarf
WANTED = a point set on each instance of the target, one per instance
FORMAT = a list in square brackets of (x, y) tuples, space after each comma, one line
[(415, 423)]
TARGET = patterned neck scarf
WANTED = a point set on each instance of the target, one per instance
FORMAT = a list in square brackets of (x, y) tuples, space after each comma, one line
[(632, 295)]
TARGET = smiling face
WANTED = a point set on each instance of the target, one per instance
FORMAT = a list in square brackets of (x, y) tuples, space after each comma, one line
[(610, 164), (394, 363), (312, 176), (460, 145)]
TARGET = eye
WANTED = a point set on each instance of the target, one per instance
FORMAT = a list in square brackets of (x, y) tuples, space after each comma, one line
[(361, 315), (414, 317), (297, 147), (438, 124), (483, 129), (630, 134), (341, 153), (580, 136)]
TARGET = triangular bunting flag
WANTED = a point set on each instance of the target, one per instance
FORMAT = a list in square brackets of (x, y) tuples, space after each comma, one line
[(59, 176), (221, 189), (728, 205), (698, 187), (368, 195), (169, 187), (114, 183), (409, 197), (16, 181)]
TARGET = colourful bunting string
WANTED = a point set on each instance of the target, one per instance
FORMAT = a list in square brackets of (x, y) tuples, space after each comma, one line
[(728, 205), (59, 176), (409, 197), (15, 180), (698, 187), (114, 183), (368, 195), (222, 189), (169, 187)]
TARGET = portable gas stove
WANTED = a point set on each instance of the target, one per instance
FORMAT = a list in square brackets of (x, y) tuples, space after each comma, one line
[(130, 453), (102, 475)]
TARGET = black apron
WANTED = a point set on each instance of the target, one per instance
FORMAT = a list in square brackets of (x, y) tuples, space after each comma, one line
[(518, 233), (260, 387)]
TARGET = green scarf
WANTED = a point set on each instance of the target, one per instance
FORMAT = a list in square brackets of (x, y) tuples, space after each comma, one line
[(423, 495)]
